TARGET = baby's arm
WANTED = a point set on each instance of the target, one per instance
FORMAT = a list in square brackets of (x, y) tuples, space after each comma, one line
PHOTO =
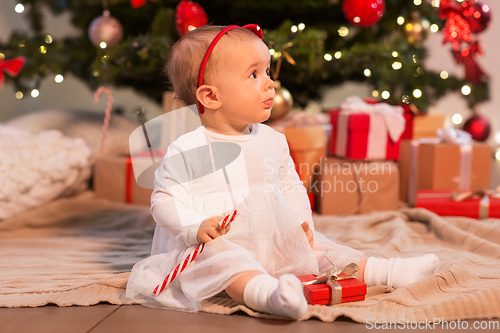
[(168, 201)]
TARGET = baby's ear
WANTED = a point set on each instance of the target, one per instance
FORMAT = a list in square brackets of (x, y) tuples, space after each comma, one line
[(207, 96)]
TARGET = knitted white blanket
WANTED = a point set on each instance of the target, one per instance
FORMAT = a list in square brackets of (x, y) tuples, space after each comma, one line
[(37, 168)]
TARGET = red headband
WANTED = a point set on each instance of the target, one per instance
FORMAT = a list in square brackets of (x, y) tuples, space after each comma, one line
[(252, 27)]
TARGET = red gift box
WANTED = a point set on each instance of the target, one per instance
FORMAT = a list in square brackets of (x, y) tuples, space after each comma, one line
[(442, 203), (408, 133), (352, 290), (357, 139)]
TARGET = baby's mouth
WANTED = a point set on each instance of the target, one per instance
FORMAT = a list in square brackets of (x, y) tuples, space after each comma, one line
[(269, 102)]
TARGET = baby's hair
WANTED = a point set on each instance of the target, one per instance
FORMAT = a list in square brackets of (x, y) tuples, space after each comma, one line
[(184, 61)]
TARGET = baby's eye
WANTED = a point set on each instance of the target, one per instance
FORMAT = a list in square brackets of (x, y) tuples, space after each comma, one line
[(268, 72), (253, 75)]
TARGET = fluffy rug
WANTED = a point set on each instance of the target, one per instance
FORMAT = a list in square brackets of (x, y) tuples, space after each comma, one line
[(79, 251)]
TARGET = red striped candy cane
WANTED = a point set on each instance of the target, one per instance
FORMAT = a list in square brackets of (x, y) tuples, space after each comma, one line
[(106, 116), (177, 270)]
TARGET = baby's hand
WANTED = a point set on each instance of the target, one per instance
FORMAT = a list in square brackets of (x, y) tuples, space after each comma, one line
[(210, 230), (309, 233)]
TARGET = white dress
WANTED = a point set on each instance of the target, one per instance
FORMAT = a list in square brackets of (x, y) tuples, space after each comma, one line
[(265, 236)]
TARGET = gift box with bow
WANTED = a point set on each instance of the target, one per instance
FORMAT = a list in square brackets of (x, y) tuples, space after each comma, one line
[(333, 287), (478, 204), (451, 162), (419, 124), (115, 177), (366, 131)]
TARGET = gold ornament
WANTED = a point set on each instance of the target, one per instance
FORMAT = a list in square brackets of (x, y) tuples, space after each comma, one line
[(417, 29), (283, 102)]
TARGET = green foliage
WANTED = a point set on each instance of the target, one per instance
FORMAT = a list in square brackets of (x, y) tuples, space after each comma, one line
[(149, 31)]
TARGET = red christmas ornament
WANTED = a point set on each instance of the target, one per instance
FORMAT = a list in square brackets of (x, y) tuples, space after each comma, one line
[(478, 15), (11, 67), (363, 13), (139, 3), (478, 127), (189, 16), (473, 72)]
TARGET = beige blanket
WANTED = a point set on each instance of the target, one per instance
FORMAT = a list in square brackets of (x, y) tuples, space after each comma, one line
[(78, 251)]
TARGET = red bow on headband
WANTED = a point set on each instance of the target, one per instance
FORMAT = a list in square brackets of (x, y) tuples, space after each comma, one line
[(11, 67)]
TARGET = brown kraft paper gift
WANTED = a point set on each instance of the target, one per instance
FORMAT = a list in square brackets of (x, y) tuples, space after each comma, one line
[(114, 179), (345, 187), (307, 148)]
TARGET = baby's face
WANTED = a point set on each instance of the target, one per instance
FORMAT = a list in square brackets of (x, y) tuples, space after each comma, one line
[(246, 90)]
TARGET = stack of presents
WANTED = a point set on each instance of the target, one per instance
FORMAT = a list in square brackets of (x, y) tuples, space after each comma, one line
[(368, 156), (363, 157)]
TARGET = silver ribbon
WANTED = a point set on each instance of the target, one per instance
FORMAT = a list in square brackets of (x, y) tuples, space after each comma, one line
[(331, 278)]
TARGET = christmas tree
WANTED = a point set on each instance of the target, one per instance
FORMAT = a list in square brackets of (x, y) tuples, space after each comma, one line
[(313, 42)]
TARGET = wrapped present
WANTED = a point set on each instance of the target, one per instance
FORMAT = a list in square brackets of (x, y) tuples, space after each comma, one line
[(307, 148), (347, 187), (366, 131), (450, 162), (420, 125), (426, 126), (115, 178), (478, 204), (332, 287)]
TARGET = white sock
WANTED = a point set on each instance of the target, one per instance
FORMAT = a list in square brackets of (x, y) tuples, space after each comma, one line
[(399, 272), (283, 297)]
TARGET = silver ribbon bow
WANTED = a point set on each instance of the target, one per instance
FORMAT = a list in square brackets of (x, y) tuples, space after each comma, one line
[(331, 278)]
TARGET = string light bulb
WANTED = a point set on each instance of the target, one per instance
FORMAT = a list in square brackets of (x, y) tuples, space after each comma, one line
[(19, 8), (457, 118), (400, 20), (19, 95), (328, 57), (343, 31), (466, 90), (444, 75), (338, 55), (59, 78), (301, 26), (367, 72), (417, 93), (385, 94), (35, 93)]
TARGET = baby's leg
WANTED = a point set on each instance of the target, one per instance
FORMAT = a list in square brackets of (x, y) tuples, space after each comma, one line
[(398, 272), (262, 292)]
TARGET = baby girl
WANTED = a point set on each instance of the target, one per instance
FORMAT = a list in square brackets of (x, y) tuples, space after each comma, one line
[(256, 258)]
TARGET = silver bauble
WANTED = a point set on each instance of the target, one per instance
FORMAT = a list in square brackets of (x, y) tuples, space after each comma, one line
[(105, 29)]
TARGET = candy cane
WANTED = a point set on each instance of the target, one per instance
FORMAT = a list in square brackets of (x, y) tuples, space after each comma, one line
[(177, 270), (107, 115)]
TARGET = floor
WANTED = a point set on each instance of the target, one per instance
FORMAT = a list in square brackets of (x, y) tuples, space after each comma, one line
[(106, 318)]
